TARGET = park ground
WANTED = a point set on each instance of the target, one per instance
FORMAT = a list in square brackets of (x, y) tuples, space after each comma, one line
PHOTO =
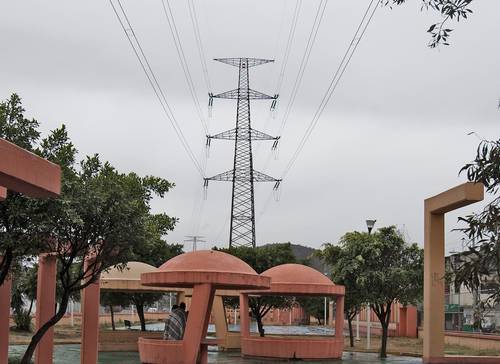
[(396, 345)]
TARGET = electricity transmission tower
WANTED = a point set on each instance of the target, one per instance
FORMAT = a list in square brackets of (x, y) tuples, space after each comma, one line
[(243, 175)]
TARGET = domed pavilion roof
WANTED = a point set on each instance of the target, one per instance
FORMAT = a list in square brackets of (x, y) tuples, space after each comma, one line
[(128, 279), (298, 279), (222, 270)]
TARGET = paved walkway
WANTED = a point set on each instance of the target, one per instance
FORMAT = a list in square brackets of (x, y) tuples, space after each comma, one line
[(65, 354)]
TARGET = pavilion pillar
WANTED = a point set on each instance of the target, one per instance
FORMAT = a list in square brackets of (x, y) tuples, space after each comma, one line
[(90, 320), (244, 318), (5, 293), (197, 323), (181, 297), (330, 313), (220, 318), (339, 318), (45, 305), (3, 193)]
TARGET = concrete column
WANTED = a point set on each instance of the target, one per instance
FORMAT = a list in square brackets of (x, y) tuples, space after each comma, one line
[(330, 313), (244, 318), (402, 321), (219, 314), (45, 305), (90, 321), (181, 297), (339, 318), (197, 324), (5, 292), (433, 286)]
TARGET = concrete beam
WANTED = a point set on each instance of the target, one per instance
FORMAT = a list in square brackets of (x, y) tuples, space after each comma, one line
[(27, 173)]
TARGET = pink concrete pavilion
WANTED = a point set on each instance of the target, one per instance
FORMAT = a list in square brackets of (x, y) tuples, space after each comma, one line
[(295, 280), (204, 271)]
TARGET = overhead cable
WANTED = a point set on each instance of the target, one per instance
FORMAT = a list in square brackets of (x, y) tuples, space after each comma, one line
[(153, 81)]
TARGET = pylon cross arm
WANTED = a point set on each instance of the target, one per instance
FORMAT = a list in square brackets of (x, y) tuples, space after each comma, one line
[(243, 94), (231, 135)]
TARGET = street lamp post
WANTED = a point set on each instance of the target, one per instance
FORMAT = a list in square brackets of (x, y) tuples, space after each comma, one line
[(370, 223)]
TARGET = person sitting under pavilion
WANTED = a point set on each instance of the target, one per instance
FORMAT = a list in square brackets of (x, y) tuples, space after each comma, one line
[(175, 323)]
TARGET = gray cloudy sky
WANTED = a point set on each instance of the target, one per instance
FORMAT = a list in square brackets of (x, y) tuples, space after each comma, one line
[(394, 133)]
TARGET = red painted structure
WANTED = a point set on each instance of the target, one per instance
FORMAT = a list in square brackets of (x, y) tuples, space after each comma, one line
[(204, 271), (45, 305), (24, 172), (295, 280)]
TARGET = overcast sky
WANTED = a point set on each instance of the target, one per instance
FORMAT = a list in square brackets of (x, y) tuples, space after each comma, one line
[(394, 133)]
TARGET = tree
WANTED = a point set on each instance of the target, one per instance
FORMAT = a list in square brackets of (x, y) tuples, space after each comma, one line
[(482, 261), (261, 259), (23, 289), (386, 270), (111, 299), (100, 218), (313, 306), (342, 273), (154, 251), (448, 10)]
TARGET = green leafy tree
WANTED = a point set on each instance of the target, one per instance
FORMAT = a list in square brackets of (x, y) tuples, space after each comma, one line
[(23, 291), (313, 306), (261, 259), (385, 268), (344, 273), (101, 214), (482, 260), (448, 10), (154, 251), (111, 299)]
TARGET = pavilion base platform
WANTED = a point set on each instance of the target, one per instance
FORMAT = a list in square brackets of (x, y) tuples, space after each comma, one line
[(159, 351), (124, 340), (292, 347)]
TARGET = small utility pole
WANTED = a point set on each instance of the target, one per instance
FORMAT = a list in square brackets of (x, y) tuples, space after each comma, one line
[(195, 239)]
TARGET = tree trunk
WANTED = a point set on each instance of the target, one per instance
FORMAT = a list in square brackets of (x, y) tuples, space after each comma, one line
[(260, 327), (351, 335), (112, 317), (5, 264), (140, 313), (383, 345), (28, 354)]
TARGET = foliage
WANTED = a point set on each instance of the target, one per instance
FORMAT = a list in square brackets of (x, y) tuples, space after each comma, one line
[(261, 259), (153, 250), (111, 299), (23, 289), (382, 267), (313, 306), (483, 228), (101, 213), (448, 9), (339, 259)]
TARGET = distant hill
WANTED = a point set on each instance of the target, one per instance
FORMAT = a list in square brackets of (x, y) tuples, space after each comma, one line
[(303, 253)]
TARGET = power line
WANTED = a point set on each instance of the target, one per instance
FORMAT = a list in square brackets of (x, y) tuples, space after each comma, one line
[(365, 21), (199, 43), (153, 81), (353, 45), (167, 10), (304, 61)]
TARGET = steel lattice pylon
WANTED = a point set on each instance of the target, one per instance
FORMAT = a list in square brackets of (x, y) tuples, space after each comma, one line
[(243, 176)]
